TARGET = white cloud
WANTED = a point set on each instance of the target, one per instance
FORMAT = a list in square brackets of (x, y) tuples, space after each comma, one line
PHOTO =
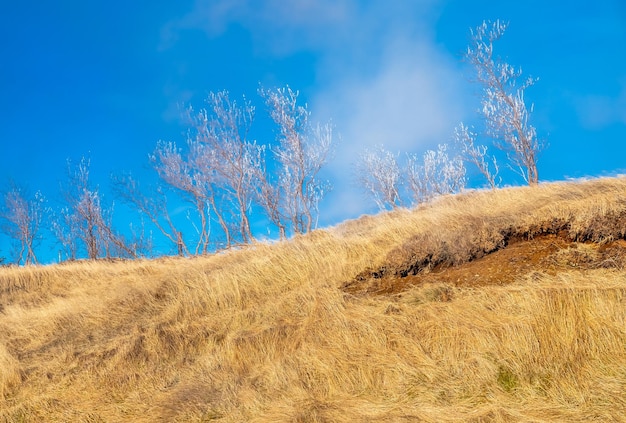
[(413, 100), (396, 87), (410, 104)]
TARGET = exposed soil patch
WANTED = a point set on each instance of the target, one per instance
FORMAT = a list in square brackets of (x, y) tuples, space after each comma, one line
[(548, 254)]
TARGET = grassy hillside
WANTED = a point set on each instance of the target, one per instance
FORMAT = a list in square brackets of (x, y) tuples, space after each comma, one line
[(503, 306)]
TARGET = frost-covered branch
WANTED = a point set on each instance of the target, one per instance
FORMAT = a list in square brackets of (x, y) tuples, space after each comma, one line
[(379, 174), (302, 151), (503, 105), (475, 154), (436, 174), (21, 217)]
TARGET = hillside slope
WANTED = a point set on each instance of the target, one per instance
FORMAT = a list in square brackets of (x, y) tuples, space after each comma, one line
[(499, 306)]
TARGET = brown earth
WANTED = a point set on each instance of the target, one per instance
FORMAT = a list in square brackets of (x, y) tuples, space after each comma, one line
[(548, 254)]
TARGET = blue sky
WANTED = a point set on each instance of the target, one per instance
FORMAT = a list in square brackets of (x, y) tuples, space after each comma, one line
[(104, 78)]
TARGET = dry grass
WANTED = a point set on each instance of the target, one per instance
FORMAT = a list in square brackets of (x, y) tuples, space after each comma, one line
[(272, 332)]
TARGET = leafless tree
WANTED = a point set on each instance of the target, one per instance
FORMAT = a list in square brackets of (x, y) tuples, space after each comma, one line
[(65, 227), (302, 152), (89, 212), (379, 174), (85, 219), (436, 174), (140, 240), (269, 196), (475, 154), (503, 105), (190, 176), (222, 129), (154, 206), (22, 217)]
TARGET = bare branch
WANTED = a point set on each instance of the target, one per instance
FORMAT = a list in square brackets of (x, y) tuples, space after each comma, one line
[(189, 175), (154, 206), (302, 152), (437, 174), (85, 219), (379, 175), (223, 129), (504, 108), (22, 216), (487, 165)]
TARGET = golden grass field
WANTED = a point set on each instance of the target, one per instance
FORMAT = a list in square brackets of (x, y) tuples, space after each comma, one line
[(490, 306)]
